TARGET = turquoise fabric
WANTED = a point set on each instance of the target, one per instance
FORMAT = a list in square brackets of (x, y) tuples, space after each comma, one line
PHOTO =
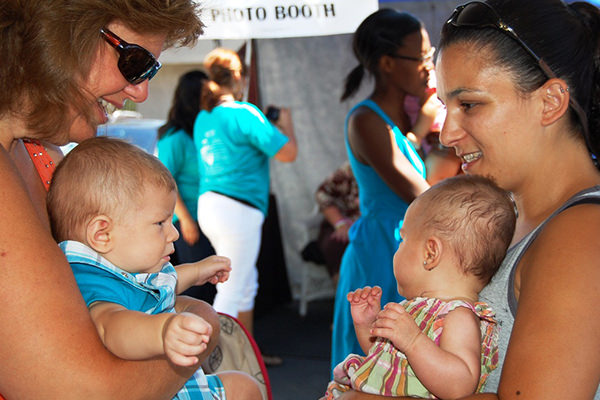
[(177, 152), (374, 239), (235, 142)]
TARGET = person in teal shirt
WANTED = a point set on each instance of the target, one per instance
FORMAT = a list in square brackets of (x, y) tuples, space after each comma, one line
[(177, 152), (235, 142)]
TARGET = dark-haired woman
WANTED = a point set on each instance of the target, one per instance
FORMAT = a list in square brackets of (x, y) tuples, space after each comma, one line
[(177, 151), (394, 48), (521, 83)]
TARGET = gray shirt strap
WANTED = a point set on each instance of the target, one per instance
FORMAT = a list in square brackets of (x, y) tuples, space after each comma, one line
[(586, 196)]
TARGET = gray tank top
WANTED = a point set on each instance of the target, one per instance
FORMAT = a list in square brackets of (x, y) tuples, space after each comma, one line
[(500, 293)]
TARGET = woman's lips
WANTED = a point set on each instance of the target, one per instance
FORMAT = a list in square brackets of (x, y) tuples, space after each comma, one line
[(102, 113), (469, 158)]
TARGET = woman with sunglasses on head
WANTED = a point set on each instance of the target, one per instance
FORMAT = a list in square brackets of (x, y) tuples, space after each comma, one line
[(394, 48), (521, 83), (62, 61)]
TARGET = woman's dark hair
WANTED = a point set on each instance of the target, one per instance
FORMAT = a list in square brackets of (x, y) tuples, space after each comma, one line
[(565, 36), (381, 33), (186, 103)]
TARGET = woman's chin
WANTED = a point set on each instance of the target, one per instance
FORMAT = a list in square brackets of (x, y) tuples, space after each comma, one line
[(81, 132)]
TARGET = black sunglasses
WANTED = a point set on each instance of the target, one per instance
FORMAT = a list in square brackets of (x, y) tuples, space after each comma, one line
[(135, 63), (478, 14)]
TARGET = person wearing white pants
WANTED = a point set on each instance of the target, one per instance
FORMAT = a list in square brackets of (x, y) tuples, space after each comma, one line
[(234, 229), (235, 142)]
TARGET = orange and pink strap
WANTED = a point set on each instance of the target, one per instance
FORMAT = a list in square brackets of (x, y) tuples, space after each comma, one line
[(41, 160)]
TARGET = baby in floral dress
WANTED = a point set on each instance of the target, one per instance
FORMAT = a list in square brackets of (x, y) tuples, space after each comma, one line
[(440, 342)]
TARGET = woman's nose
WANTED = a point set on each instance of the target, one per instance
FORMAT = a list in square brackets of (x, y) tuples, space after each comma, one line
[(137, 93), (450, 133)]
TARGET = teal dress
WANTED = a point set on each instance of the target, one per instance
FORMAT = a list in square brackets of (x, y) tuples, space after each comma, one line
[(374, 238)]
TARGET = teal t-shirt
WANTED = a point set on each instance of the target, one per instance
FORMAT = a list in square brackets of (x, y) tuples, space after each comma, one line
[(177, 152), (235, 142)]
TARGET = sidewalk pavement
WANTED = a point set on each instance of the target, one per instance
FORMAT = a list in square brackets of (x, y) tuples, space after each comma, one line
[(304, 344)]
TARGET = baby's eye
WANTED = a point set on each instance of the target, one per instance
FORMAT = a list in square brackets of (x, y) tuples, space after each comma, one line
[(161, 223)]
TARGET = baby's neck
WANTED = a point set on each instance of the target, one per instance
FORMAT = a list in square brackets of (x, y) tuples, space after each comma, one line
[(447, 295)]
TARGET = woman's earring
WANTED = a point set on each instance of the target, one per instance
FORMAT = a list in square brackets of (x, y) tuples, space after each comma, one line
[(425, 262)]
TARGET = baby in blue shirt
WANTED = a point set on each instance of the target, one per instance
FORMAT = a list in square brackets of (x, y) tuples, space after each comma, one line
[(111, 207)]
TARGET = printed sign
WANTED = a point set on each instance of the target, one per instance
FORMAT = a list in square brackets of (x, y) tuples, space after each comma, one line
[(258, 19)]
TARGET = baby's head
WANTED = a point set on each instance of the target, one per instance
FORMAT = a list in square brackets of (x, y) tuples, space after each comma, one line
[(104, 185), (469, 216)]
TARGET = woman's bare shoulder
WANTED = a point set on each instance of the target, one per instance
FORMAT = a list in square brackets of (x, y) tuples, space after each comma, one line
[(557, 299)]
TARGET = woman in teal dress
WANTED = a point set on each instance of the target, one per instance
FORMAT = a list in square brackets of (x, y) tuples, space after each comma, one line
[(176, 150), (394, 48)]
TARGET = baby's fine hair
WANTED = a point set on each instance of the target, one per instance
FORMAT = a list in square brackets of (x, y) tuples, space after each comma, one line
[(475, 217), (101, 175)]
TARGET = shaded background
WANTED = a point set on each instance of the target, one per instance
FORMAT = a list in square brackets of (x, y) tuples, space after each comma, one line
[(305, 74)]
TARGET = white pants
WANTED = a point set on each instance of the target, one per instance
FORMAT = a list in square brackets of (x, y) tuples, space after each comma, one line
[(234, 230)]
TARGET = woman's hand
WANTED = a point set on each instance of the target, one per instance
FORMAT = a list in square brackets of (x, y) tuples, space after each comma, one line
[(430, 108), (342, 228)]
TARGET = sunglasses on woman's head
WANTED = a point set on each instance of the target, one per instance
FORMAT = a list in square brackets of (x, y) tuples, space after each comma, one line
[(478, 14), (135, 63)]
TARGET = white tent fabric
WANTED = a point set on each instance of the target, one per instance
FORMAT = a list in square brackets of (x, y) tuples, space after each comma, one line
[(255, 19)]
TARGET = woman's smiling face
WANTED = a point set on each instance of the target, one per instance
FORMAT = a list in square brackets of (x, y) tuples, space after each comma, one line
[(492, 126), (106, 84)]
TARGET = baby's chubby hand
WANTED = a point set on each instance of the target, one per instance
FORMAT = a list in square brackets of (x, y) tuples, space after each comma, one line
[(213, 269), (365, 303), (397, 325), (185, 335)]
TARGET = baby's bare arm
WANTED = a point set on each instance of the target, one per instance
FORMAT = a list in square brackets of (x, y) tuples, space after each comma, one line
[(365, 303), (134, 335), (131, 335), (449, 371), (213, 269)]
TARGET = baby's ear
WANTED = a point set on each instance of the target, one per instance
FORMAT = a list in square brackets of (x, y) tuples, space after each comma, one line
[(98, 232), (433, 252)]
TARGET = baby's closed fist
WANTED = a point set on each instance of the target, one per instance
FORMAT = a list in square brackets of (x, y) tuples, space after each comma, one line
[(185, 335)]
